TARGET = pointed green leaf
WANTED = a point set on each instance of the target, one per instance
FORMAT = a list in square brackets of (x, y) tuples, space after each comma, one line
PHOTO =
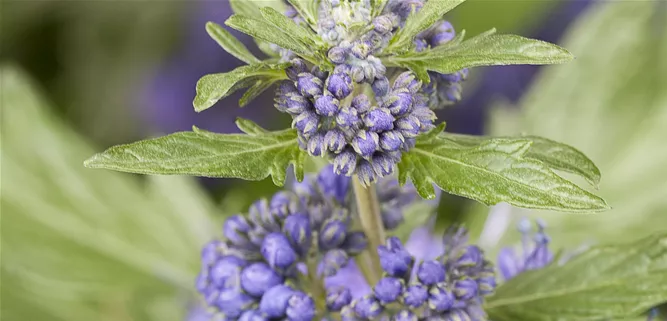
[(232, 45), (488, 50), (267, 31), (214, 87), (203, 153), (251, 9), (287, 25), (250, 127), (257, 89), (494, 171), (556, 155), (307, 9), (420, 21), (377, 6), (604, 283)]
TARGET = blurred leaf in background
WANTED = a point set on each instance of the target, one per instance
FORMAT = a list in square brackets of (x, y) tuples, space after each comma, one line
[(610, 103), (89, 245)]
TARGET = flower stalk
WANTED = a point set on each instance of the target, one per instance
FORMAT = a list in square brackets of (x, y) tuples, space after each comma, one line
[(370, 217)]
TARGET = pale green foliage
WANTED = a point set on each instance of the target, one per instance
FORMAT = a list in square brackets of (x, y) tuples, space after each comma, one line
[(487, 49), (420, 21), (81, 245), (307, 9), (228, 42), (214, 87), (610, 103), (491, 171), (605, 282), (253, 156), (251, 9)]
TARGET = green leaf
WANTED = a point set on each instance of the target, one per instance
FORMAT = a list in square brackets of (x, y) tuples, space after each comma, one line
[(270, 32), (487, 50), (377, 6), (416, 23), (257, 89), (497, 170), (203, 153), (287, 25), (307, 9), (613, 112), (232, 45), (605, 282), (556, 155), (81, 241), (250, 127), (214, 87), (251, 9)]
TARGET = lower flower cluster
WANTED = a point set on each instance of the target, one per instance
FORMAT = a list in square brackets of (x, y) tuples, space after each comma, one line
[(450, 287), (272, 258)]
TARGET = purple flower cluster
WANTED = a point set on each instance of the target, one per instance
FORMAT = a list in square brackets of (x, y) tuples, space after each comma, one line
[(444, 89), (257, 269), (358, 135), (535, 253), (450, 287)]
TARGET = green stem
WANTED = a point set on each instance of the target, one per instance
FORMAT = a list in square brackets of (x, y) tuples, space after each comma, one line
[(371, 222)]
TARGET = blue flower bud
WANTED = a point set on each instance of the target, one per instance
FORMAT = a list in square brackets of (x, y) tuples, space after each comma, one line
[(210, 253), (307, 123), (365, 172), (383, 24), (235, 230), (394, 258), (369, 72), (284, 203), (296, 104), (408, 144), (361, 103), (342, 69), (365, 143), (440, 299), (408, 81), (345, 163), (420, 45), (465, 289), (388, 289), (338, 55), (278, 252), (443, 33), (298, 66), (403, 8), (258, 277), (332, 234), (355, 242), (486, 285), (383, 164), (399, 103), (232, 302), (409, 126), (380, 87), (392, 218), (338, 298), (451, 93), (347, 314), (260, 214), (391, 140), (415, 296), (431, 272), (316, 144), (319, 73), (327, 23), (367, 307), (332, 261), (309, 85), (226, 272), (426, 118), (357, 73), (405, 315), (300, 307), (326, 105), (252, 315), (361, 49), (470, 255), (297, 229), (332, 184), (340, 85), (334, 141), (348, 118), (379, 120), (274, 301)]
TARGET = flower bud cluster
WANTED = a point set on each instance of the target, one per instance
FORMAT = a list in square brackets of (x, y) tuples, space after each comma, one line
[(450, 287), (535, 253), (359, 136), (444, 89)]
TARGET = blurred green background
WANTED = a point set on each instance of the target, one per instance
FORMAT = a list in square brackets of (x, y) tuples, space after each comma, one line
[(79, 76)]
